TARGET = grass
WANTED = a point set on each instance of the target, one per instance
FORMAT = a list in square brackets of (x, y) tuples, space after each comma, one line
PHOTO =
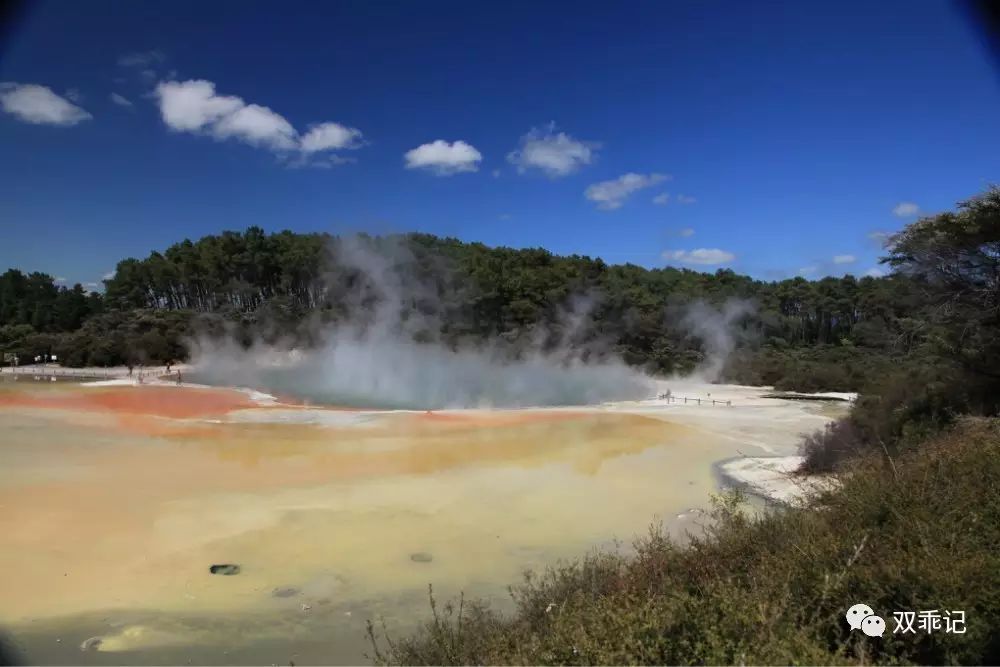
[(917, 533)]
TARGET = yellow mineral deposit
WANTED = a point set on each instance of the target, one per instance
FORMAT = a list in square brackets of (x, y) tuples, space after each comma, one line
[(117, 500)]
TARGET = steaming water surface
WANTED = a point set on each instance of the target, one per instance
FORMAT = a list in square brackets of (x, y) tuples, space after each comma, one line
[(391, 372), (117, 500)]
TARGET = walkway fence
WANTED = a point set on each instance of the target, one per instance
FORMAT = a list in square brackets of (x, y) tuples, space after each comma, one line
[(42, 371), (670, 398), (59, 372)]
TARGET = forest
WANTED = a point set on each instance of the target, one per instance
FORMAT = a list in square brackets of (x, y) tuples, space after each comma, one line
[(833, 333)]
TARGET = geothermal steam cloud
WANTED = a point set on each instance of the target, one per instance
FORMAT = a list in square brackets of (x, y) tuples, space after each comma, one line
[(373, 361)]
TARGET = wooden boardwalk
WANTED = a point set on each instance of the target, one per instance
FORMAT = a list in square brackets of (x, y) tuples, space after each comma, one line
[(670, 398), (54, 371)]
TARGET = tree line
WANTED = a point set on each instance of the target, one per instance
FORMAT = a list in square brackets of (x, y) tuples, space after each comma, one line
[(834, 333)]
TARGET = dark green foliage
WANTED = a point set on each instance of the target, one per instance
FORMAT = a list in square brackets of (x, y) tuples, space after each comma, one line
[(804, 335), (825, 450), (830, 334), (35, 300), (922, 533), (949, 361)]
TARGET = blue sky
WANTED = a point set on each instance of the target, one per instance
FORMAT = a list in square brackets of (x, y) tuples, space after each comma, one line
[(783, 133)]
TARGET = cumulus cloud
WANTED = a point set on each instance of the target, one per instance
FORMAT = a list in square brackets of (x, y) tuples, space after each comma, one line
[(875, 272), (120, 100), (844, 259), (661, 199), (554, 153), (905, 209), (879, 237), (257, 126), (108, 276), (443, 158), (194, 106), (700, 256), (609, 195), (330, 137), (684, 199), (808, 270), (189, 106), (37, 104), (686, 232)]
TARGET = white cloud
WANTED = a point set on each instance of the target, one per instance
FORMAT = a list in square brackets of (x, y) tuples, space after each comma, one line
[(661, 199), (609, 195), (108, 276), (504, 216), (189, 106), (686, 232), (879, 236), (443, 158), (875, 272), (194, 106), (496, 173), (701, 256), (257, 126), (37, 104), (905, 209), (844, 259), (92, 286), (74, 95), (60, 279), (684, 199), (556, 154), (808, 270), (330, 136), (120, 100)]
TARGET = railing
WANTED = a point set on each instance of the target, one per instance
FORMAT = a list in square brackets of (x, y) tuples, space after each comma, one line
[(670, 398), (41, 371), (58, 371)]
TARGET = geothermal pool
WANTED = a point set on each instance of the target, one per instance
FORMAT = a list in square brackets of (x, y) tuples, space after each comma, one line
[(115, 501)]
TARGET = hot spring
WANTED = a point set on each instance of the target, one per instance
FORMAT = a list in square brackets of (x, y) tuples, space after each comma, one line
[(393, 373), (118, 500)]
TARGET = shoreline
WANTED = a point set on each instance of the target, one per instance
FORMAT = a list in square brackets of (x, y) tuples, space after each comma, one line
[(773, 479), (330, 504)]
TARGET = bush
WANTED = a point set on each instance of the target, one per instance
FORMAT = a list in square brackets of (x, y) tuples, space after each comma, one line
[(825, 450), (915, 533)]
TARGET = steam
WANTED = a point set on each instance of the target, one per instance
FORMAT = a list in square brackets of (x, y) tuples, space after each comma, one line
[(716, 327), (371, 359), (387, 371)]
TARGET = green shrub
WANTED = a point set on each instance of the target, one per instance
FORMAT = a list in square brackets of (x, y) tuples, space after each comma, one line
[(908, 534)]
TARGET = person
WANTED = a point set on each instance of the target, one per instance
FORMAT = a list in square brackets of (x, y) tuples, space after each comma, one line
[(178, 377), (130, 370)]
